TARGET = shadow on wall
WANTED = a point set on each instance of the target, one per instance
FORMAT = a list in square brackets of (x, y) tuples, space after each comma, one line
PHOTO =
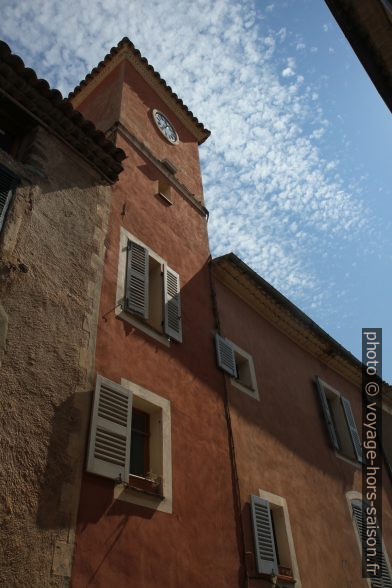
[(56, 495), (196, 357)]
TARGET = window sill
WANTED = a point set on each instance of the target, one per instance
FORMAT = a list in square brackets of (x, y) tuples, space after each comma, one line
[(250, 391), (286, 580), (138, 324), (134, 495)]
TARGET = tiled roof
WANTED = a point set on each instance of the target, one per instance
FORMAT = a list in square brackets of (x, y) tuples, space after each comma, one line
[(21, 84), (125, 43)]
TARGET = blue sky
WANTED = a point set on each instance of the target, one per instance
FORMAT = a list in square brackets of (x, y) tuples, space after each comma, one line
[(297, 170)]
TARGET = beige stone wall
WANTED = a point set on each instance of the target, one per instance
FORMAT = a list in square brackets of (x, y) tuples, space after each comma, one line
[(51, 257)]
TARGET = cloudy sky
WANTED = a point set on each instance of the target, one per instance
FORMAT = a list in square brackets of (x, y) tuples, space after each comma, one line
[(297, 169)]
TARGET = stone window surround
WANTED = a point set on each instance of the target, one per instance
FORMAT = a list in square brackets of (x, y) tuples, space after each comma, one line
[(126, 236), (276, 501), (160, 449)]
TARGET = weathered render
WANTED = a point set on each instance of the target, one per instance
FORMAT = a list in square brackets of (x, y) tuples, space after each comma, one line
[(51, 260)]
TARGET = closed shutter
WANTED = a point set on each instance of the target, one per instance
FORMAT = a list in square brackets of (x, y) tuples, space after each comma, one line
[(172, 310), (136, 286), (225, 355), (327, 414), (110, 432), (7, 183), (263, 536), (385, 581), (352, 427)]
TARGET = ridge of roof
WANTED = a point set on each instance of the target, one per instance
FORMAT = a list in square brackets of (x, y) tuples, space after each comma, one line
[(148, 68), (69, 123)]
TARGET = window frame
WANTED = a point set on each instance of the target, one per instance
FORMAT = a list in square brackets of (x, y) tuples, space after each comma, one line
[(278, 505), (110, 437), (227, 353), (336, 420), (159, 449), (131, 318)]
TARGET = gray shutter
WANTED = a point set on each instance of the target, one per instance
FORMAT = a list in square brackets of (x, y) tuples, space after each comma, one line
[(225, 355), (263, 536), (7, 183), (385, 581), (327, 414), (136, 285), (352, 427), (110, 431), (172, 304)]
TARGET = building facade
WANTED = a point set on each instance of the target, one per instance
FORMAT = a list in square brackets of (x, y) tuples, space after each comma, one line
[(296, 414), (180, 422), (56, 173)]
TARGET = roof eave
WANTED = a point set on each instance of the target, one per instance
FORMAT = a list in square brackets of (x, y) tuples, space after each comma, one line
[(293, 320)]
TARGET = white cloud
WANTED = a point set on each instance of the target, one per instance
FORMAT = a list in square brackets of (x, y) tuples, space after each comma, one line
[(288, 72), (269, 191)]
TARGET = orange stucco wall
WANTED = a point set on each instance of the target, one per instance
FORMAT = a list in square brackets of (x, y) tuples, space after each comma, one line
[(123, 96), (282, 447), (102, 105), (120, 544)]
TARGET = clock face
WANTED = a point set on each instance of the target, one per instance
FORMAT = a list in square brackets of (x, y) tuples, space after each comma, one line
[(165, 126)]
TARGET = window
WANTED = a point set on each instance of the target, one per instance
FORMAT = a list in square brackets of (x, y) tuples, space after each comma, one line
[(379, 554), (238, 364), (340, 422), (273, 541), (164, 192), (148, 291), (8, 182), (130, 442)]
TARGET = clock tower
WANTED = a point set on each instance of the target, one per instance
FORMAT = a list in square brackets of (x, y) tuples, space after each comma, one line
[(156, 506)]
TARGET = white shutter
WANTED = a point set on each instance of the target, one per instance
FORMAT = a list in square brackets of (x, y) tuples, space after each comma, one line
[(172, 310), (7, 184), (352, 427), (263, 536), (225, 355), (136, 286), (385, 581), (327, 414), (110, 431)]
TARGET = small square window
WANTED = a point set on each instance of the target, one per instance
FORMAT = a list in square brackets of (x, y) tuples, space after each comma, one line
[(238, 364), (164, 192)]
